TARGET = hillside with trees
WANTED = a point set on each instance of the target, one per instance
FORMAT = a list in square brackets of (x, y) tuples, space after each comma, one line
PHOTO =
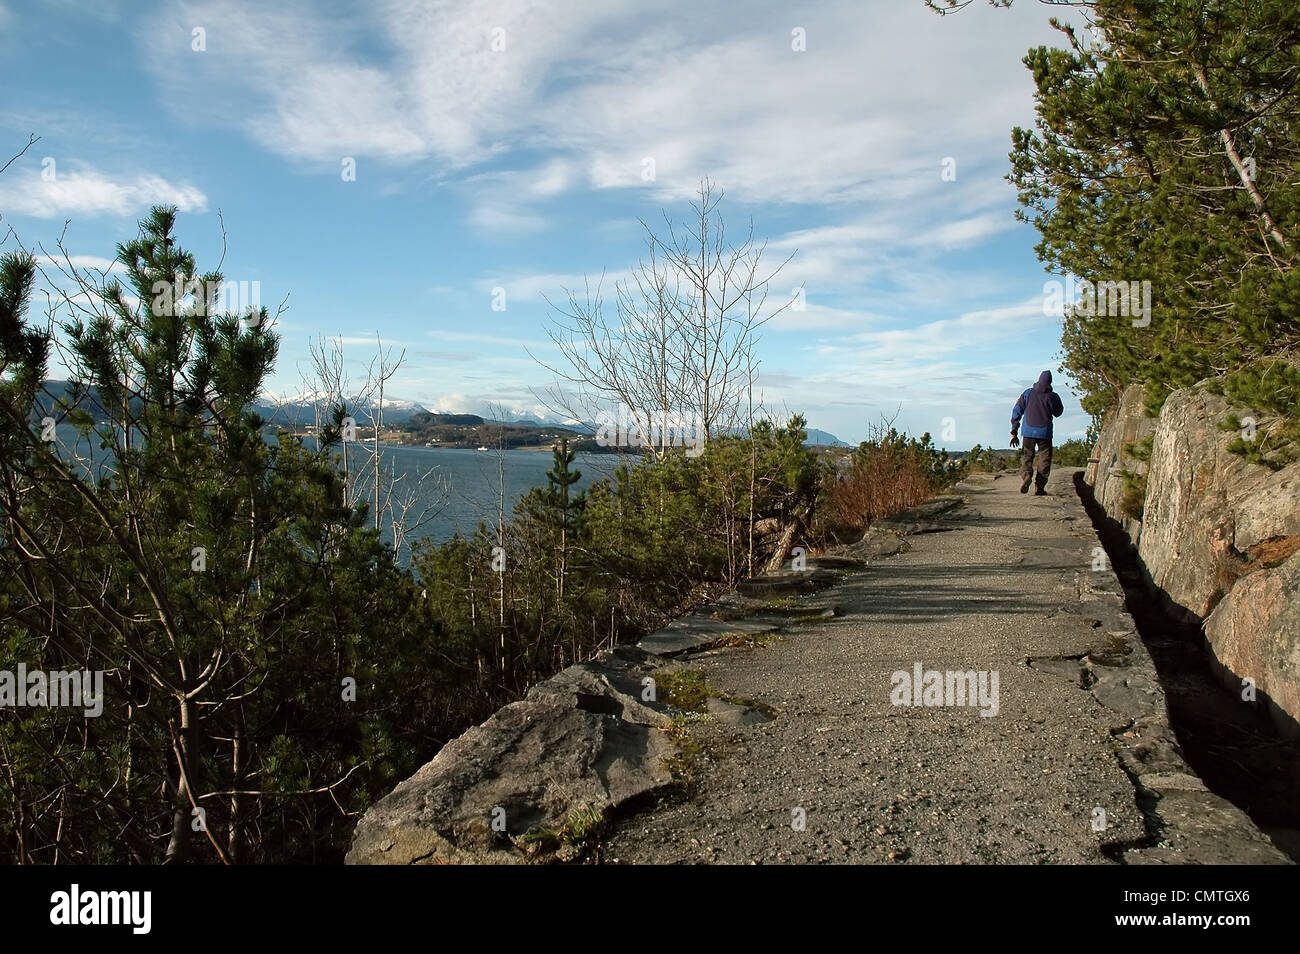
[(470, 430)]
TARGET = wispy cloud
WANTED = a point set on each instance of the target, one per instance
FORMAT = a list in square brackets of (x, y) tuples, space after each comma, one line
[(85, 191), (814, 317), (500, 340), (90, 263), (556, 286), (505, 217), (596, 91), (966, 232), (987, 328)]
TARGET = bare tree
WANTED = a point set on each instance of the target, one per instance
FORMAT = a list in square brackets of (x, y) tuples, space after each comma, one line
[(31, 140), (411, 500), (378, 373), (414, 501), (329, 389), (750, 418), (493, 434), (679, 348)]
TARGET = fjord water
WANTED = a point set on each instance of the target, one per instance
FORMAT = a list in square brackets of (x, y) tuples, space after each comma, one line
[(472, 481), (465, 483)]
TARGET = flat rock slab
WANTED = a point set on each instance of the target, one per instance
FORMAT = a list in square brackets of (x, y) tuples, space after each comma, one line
[(612, 684), (786, 582), (730, 713), (1117, 691), (935, 515), (700, 632), (1070, 669), (877, 542), (835, 562), (1200, 828), (939, 504)]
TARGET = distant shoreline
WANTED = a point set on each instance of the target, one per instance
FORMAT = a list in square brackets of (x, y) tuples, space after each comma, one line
[(305, 435)]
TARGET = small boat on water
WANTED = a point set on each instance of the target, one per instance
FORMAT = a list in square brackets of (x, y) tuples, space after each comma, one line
[(482, 448)]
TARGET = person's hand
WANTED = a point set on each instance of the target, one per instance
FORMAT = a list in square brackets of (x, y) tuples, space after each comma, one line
[(1015, 441)]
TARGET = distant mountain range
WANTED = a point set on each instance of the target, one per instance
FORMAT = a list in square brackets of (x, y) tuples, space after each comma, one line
[(299, 410), (824, 438)]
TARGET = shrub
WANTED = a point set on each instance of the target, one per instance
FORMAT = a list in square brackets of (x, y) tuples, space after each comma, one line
[(1073, 453), (887, 475)]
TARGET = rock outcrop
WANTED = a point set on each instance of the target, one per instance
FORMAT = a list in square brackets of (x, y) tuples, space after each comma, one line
[(1207, 508), (1127, 425), (578, 745), (1213, 527), (1255, 634)]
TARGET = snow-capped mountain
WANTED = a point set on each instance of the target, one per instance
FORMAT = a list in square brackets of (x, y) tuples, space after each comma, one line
[(302, 408)]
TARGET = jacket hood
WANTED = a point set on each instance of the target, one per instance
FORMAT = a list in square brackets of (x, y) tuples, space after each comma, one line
[(1044, 382)]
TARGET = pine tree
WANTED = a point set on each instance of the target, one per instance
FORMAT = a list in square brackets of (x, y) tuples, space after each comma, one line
[(217, 579), (559, 479), (1165, 151)]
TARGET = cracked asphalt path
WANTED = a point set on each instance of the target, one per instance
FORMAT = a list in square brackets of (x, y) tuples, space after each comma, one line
[(883, 783)]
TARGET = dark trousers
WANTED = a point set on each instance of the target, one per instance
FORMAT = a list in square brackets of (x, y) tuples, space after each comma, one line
[(1029, 447)]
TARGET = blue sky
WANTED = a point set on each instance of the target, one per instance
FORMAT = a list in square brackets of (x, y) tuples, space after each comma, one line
[(522, 168)]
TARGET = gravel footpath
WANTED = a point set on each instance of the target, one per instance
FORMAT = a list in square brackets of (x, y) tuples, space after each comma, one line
[(843, 775)]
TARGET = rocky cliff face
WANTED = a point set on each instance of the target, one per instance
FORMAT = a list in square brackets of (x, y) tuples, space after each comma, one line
[(1127, 426), (1253, 633), (1216, 536)]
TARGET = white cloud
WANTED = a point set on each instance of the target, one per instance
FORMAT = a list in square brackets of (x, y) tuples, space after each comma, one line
[(590, 91), (507, 218), (366, 341), (969, 231), (455, 404), (500, 340), (511, 405), (85, 191), (94, 263), (555, 286), (817, 317), (502, 202), (986, 328)]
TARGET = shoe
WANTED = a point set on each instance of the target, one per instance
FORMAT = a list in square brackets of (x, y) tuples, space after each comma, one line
[(1040, 492), (1024, 484)]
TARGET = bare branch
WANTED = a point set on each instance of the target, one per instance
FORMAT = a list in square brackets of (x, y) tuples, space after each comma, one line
[(31, 140)]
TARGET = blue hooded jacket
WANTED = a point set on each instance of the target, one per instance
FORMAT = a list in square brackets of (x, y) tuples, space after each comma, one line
[(1038, 405)]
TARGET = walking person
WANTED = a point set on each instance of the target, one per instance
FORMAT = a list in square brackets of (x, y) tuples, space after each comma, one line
[(1037, 406)]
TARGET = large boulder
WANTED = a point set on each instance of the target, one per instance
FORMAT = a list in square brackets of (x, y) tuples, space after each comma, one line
[(1127, 424), (1208, 511), (577, 745), (1255, 633)]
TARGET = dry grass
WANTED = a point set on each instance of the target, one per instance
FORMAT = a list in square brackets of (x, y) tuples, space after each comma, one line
[(1273, 552), (1228, 568), (879, 485)]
